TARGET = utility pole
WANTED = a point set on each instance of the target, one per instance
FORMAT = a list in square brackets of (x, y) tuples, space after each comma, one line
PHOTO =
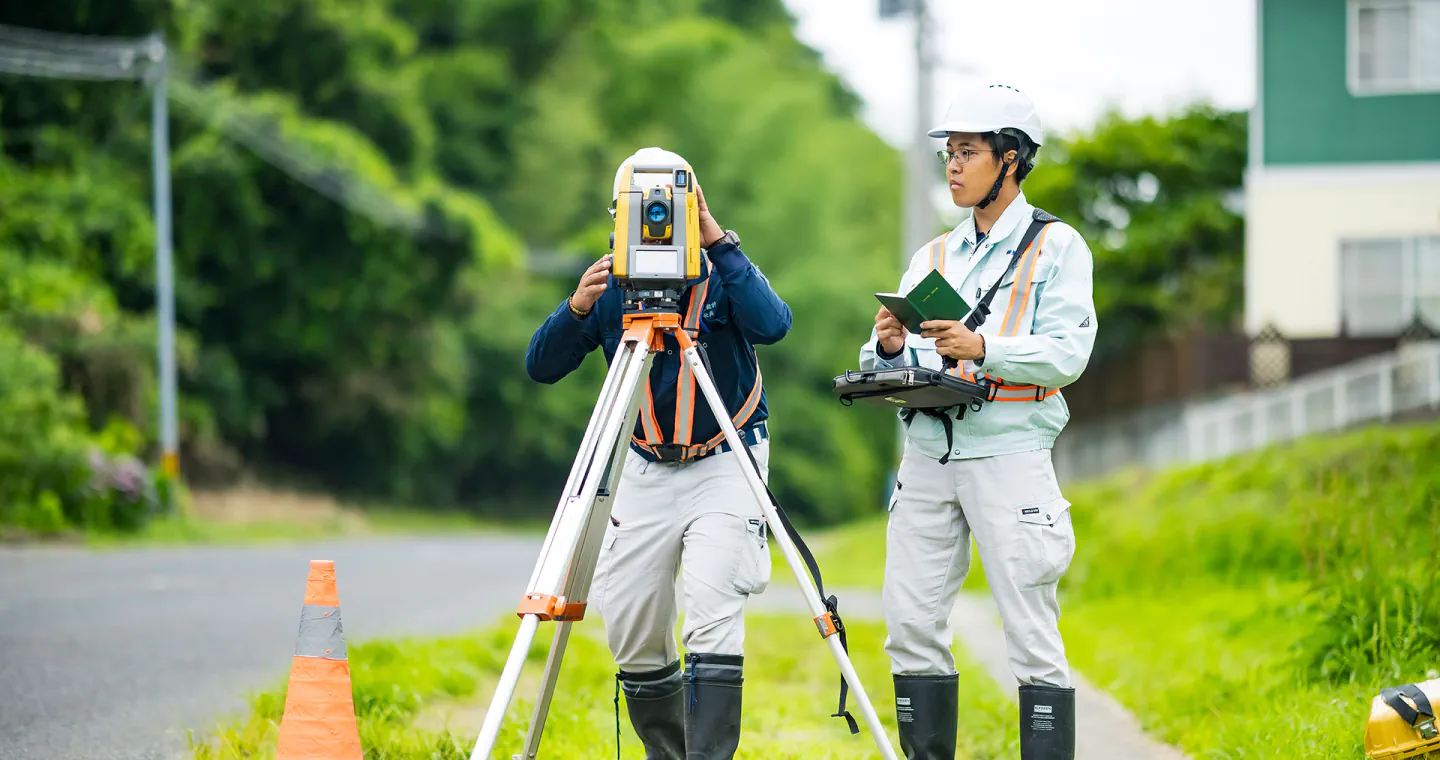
[(164, 264), (918, 212), (51, 55), (920, 217)]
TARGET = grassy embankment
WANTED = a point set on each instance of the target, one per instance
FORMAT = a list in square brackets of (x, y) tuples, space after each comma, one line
[(426, 699), (1250, 607), (1246, 608)]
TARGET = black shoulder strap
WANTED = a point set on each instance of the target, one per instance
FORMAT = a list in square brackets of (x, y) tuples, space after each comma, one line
[(1038, 220)]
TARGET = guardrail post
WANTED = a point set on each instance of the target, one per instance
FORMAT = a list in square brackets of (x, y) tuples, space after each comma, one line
[(1387, 393), (1435, 380), (1339, 402), (1260, 429), (1297, 412)]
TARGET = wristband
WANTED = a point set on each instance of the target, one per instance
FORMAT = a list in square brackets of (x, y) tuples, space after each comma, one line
[(570, 304)]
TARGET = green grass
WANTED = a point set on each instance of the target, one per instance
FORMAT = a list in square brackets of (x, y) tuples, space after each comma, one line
[(853, 556), (1217, 671), (1250, 607), (427, 698)]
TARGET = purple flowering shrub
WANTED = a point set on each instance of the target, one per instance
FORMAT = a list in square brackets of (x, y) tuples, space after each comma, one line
[(120, 492)]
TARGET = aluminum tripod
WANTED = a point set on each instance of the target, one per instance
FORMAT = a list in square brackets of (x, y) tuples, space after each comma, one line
[(560, 583)]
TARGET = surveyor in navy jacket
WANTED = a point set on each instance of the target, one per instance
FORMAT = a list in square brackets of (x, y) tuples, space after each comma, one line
[(682, 503)]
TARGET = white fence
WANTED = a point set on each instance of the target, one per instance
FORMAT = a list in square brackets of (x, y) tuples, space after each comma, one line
[(1372, 390)]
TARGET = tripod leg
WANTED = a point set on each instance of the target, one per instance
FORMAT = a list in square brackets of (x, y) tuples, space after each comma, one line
[(545, 596), (792, 556), (578, 583), (547, 691), (611, 394)]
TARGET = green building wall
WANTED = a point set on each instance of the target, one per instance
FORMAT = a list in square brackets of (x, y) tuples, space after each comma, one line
[(1308, 114)]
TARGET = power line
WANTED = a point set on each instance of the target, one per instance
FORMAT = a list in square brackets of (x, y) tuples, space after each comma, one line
[(260, 136), (62, 56), (32, 52)]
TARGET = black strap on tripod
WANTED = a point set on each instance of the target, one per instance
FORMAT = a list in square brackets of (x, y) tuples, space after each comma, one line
[(832, 604), (1038, 219)]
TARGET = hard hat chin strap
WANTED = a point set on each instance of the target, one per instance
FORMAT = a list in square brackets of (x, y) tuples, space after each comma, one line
[(995, 189)]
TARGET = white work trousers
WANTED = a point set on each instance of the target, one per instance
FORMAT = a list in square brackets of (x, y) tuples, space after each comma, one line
[(698, 516), (1013, 506)]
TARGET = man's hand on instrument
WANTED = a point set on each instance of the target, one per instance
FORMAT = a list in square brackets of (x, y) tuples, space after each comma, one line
[(592, 284), (953, 339), (890, 331), (710, 230)]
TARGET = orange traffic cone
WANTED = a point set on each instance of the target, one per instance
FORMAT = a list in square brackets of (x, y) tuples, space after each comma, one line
[(319, 720)]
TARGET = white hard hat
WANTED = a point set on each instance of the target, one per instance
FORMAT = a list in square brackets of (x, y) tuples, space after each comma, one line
[(991, 108), (645, 156)]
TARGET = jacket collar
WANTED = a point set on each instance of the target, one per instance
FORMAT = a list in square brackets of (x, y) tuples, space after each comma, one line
[(1010, 219)]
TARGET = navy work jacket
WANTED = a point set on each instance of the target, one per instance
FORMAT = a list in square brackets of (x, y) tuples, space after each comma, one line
[(741, 311)]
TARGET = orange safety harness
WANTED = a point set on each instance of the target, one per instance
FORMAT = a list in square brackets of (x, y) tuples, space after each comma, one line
[(680, 448), (829, 623)]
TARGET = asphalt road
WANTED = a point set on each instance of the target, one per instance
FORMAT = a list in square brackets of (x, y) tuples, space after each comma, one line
[(113, 655)]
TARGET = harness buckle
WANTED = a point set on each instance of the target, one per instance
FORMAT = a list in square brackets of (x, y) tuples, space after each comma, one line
[(672, 452)]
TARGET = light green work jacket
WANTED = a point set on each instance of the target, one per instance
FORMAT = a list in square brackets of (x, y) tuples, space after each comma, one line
[(1039, 332)]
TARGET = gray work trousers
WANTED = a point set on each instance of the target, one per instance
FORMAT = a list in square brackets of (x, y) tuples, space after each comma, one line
[(1013, 506), (698, 517)]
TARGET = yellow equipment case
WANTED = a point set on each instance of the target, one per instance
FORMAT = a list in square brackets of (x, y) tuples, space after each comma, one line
[(1402, 723)]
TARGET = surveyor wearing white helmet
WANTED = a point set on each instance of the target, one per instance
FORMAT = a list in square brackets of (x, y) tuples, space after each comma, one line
[(682, 504), (987, 472)]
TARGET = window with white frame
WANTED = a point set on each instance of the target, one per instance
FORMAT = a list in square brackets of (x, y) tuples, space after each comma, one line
[(1394, 46), (1386, 283)]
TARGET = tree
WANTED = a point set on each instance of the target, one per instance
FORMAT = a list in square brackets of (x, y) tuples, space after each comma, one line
[(1156, 198)]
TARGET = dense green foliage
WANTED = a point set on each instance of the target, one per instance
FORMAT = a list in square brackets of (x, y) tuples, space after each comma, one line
[(319, 344), (1157, 200)]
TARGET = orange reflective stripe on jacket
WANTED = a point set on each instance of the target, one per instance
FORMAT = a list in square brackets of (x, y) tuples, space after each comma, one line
[(937, 253), (1024, 272)]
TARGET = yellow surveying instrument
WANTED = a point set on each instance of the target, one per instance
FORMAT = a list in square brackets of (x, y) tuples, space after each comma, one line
[(656, 241), (655, 254)]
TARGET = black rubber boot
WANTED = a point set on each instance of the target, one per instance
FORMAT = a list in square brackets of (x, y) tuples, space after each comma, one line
[(712, 705), (927, 709), (1047, 723), (657, 710)]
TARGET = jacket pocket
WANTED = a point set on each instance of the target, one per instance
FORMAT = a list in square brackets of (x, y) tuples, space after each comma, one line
[(1010, 281)]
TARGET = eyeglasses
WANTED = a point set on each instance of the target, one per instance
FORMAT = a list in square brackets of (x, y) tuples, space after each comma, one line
[(964, 154)]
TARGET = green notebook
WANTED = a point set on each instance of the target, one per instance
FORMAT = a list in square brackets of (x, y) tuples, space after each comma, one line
[(932, 298)]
